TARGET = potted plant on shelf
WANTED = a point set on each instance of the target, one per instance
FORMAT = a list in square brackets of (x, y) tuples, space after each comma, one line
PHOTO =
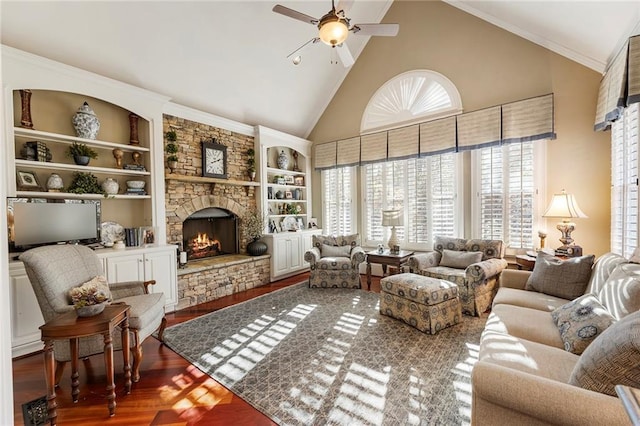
[(253, 226), (251, 162), (81, 153), (85, 183), (172, 150)]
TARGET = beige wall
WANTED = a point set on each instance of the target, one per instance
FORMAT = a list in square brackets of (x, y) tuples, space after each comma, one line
[(489, 66)]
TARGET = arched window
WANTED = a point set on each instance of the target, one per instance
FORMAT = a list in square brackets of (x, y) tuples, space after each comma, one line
[(413, 96)]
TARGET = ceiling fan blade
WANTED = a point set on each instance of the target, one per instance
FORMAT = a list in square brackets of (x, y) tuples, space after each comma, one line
[(308, 43), (345, 55), (344, 5), (295, 14), (388, 30)]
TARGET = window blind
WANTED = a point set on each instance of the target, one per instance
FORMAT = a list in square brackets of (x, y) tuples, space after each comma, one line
[(373, 148), (325, 156), (625, 139), (528, 120), (633, 84), (338, 208), (438, 136), (479, 129), (348, 152), (403, 142)]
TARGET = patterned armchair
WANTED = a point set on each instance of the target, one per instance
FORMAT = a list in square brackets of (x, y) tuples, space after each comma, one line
[(335, 261), (474, 265)]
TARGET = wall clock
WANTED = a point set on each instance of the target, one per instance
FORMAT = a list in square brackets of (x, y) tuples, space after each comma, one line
[(214, 160)]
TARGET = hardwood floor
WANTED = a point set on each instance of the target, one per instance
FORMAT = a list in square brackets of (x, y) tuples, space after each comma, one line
[(170, 391)]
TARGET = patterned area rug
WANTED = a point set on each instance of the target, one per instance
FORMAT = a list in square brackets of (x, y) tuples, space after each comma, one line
[(326, 356)]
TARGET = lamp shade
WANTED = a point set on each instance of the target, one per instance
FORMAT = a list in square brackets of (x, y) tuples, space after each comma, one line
[(392, 218), (564, 205), (333, 30)]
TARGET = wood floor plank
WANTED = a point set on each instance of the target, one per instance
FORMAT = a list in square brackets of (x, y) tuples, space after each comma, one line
[(171, 391)]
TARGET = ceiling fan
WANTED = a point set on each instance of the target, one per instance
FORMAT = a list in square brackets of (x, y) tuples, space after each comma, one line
[(334, 28)]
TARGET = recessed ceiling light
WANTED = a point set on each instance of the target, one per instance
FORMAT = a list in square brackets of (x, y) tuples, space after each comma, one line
[(297, 60)]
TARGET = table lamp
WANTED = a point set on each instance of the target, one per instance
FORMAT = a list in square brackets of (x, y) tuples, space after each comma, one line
[(564, 206), (392, 218)]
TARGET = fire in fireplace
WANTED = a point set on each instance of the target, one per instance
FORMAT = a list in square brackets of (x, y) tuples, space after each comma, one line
[(210, 232)]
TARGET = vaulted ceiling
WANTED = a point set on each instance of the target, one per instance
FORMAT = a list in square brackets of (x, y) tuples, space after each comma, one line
[(229, 58)]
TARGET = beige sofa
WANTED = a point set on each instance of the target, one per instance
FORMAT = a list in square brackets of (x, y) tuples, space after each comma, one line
[(524, 375)]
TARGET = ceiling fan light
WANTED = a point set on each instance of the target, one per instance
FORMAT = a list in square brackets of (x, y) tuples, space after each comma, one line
[(333, 32)]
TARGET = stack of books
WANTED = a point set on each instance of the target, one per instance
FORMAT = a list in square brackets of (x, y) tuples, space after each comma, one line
[(136, 191), (138, 167), (134, 237)]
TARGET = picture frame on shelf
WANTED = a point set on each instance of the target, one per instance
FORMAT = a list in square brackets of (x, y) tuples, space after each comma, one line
[(289, 180), (27, 181), (288, 195), (313, 223), (300, 223), (272, 227), (147, 235), (298, 180)]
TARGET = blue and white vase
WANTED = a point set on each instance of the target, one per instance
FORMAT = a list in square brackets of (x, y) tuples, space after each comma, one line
[(86, 122), (283, 160)]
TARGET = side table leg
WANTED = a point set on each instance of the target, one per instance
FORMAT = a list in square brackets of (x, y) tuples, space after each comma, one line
[(384, 270), (126, 352), (75, 376), (49, 375), (108, 362), (368, 275)]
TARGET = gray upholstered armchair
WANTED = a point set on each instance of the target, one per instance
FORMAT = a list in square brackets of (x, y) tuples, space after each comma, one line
[(54, 270), (474, 265), (335, 261)]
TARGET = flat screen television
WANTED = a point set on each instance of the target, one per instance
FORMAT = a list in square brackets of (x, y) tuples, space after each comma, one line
[(40, 221)]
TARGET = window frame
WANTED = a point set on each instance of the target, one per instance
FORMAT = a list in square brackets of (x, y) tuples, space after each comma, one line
[(539, 195), (354, 199)]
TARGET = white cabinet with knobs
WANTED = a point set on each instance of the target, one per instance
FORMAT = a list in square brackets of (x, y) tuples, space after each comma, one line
[(287, 251)]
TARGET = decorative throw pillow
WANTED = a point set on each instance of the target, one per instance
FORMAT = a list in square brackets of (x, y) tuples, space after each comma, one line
[(335, 251), (460, 259), (567, 279), (611, 359), (635, 257), (581, 321), (96, 288), (621, 292)]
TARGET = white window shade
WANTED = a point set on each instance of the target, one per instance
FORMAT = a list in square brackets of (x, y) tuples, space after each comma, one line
[(348, 152), (403, 143), (373, 148), (325, 156), (438, 136), (338, 189), (479, 129), (528, 120)]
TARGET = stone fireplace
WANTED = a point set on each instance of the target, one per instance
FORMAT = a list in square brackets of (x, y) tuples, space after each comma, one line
[(210, 232), (204, 216)]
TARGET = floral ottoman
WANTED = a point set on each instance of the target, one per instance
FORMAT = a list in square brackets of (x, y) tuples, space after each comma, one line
[(428, 304)]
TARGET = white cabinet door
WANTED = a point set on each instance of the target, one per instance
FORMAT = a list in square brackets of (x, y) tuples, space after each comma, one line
[(294, 253), (125, 268), (161, 266), (280, 258), (26, 317)]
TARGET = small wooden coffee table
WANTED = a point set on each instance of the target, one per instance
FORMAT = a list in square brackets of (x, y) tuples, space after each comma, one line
[(386, 258), (70, 326)]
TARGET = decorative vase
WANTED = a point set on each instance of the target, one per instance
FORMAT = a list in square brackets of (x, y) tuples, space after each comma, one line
[(283, 160), (86, 122), (110, 186), (257, 247), (172, 165), (279, 195), (54, 183), (25, 120), (252, 175), (297, 194), (81, 160), (91, 310)]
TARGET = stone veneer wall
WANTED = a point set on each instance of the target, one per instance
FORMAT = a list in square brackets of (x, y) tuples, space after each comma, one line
[(183, 198)]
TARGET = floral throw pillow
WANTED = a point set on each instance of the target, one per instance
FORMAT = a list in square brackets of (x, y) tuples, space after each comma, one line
[(581, 321)]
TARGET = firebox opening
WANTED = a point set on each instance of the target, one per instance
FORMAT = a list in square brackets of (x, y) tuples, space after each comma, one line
[(210, 232)]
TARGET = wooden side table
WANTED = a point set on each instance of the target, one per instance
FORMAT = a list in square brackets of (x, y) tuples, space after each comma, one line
[(70, 326), (385, 258)]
